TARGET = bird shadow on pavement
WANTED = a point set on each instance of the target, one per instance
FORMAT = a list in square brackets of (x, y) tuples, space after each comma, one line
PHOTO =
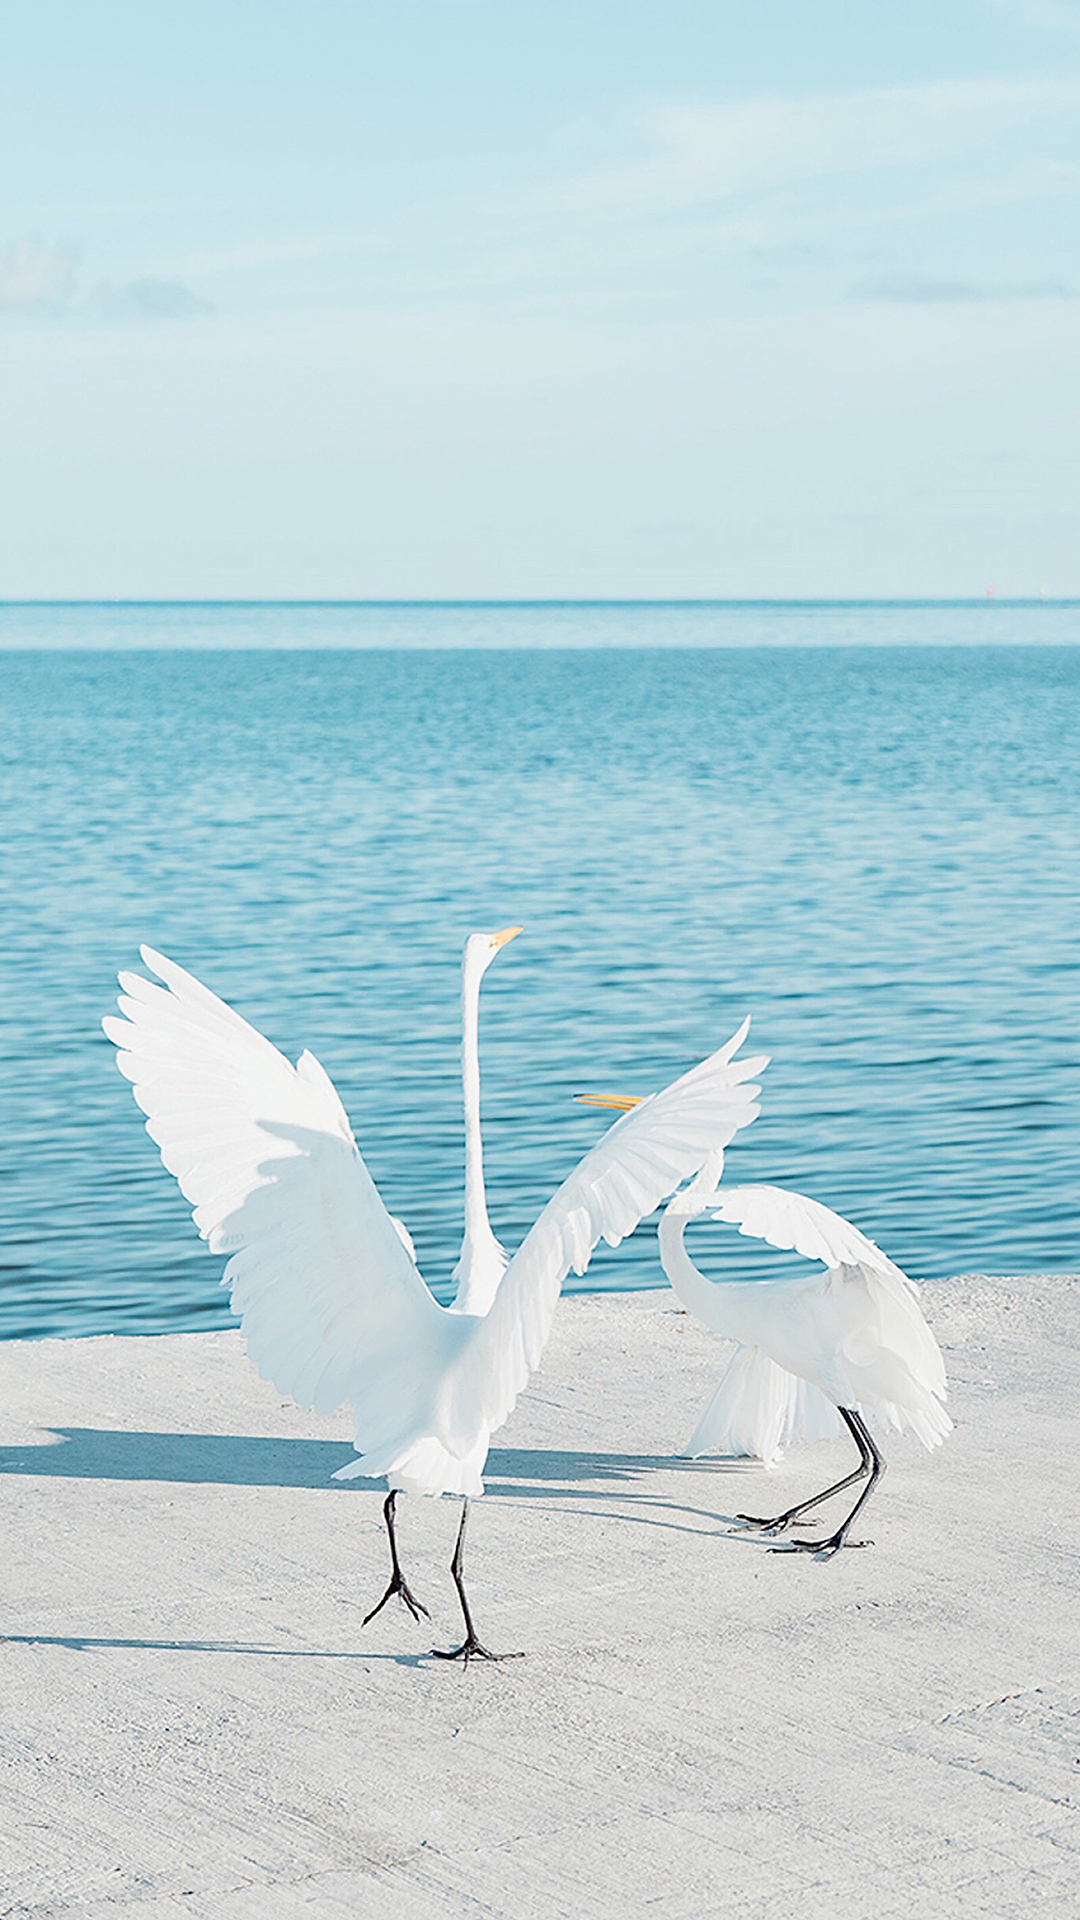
[(91, 1643), (225, 1459), (252, 1460), (631, 1487), (546, 1464)]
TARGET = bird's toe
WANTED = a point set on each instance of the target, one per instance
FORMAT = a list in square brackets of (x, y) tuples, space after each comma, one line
[(471, 1650), (398, 1586)]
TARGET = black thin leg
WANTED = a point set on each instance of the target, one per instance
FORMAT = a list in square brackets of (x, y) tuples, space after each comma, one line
[(470, 1648), (793, 1513), (870, 1464), (398, 1583)]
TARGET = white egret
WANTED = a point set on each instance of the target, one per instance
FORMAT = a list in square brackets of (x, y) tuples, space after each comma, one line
[(331, 1302), (847, 1341), (851, 1338), (482, 1261)]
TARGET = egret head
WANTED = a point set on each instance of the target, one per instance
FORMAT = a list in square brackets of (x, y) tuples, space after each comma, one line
[(481, 948)]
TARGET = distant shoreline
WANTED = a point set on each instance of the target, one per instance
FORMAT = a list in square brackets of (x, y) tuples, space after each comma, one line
[(532, 626), (990, 601)]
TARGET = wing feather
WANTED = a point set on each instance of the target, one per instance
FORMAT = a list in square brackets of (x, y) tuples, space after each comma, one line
[(887, 1359), (331, 1303), (791, 1221), (636, 1165), (758, 1408)]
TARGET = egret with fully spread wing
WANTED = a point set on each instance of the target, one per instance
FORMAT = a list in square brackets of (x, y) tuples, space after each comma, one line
[(332, 1305)]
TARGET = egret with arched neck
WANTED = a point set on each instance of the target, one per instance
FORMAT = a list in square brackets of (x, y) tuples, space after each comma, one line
[(851, 1338), (810, 1351)]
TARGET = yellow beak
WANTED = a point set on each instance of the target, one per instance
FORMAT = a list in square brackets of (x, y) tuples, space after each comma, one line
[(505, 935), (622, 1101)]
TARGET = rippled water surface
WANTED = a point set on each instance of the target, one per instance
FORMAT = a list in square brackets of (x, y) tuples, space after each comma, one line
[(871, 848)]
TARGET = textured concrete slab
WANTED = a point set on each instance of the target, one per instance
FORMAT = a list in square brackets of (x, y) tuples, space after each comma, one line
[(194, 1723)]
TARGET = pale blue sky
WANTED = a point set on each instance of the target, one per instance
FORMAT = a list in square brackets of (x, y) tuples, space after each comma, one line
[(381, 298)]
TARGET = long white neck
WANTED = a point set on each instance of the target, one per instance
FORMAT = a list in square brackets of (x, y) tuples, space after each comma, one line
[(482, 1261), (715, 1304)]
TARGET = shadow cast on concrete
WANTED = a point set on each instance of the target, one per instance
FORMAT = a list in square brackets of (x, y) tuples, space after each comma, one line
[(509, 1472), (88, 1643), (250, 1460), (225, 1459)]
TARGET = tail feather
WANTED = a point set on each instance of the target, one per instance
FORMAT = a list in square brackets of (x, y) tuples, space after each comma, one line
[(758, 1408)]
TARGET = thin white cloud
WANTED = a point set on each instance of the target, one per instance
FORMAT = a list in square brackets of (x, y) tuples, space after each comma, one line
[(777, 176), (926, 292), (147, 299), (707, 153), (35, 278), (1051, 16), (40, 281)]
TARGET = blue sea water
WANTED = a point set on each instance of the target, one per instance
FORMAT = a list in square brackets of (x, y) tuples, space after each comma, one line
[(862, 826)]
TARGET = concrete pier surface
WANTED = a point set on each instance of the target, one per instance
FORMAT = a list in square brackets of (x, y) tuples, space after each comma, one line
[(194, 1723)]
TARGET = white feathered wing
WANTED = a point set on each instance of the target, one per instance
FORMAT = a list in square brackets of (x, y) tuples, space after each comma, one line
[(332, 1306), (331, 1303), (637, 1164), (874, 1349), (758, 1409)]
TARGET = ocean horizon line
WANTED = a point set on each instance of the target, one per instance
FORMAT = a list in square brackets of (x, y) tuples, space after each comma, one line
[(530, 626), (796, 603)]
